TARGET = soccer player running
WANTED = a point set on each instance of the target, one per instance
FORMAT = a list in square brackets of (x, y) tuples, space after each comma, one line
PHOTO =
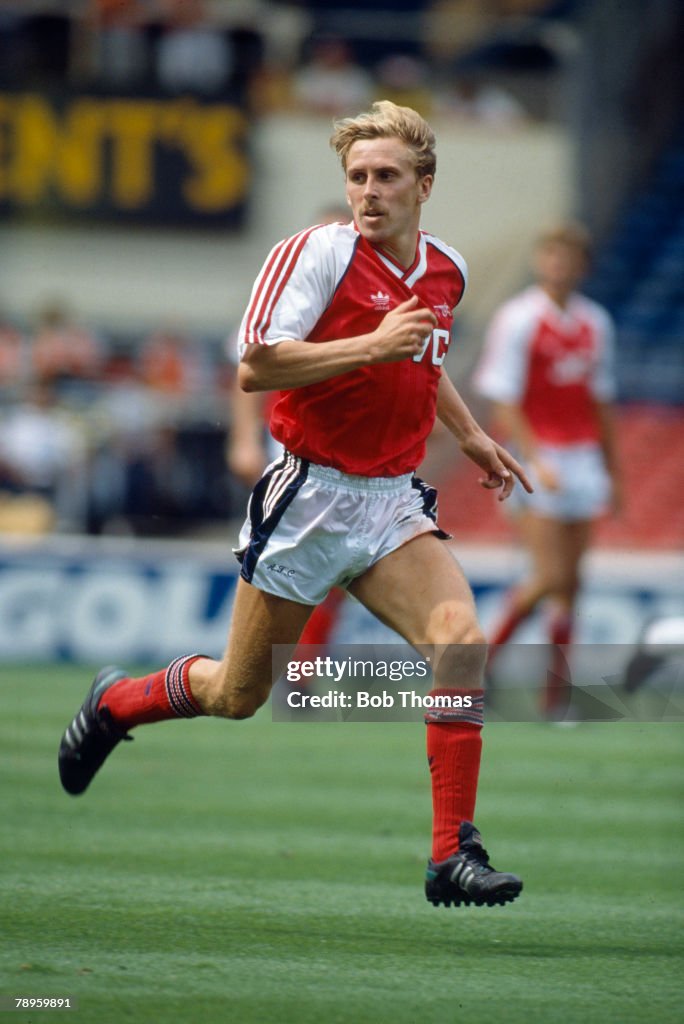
[(548, 368), (350, 323)]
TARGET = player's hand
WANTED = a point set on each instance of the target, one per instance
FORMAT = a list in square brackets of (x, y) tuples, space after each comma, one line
[(500, 466), (402, 332)]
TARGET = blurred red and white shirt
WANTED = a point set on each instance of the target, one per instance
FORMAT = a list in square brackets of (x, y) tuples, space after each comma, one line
[(555, 363)]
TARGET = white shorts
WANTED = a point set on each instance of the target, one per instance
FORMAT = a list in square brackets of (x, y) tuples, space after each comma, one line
[(584, 490), (310, 528)]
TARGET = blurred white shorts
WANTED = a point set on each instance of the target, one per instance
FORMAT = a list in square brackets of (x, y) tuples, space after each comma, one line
[(584, 490), (310, 528)]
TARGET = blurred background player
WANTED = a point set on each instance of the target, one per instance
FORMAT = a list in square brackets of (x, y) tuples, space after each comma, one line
[(548, 368), (251, 447)]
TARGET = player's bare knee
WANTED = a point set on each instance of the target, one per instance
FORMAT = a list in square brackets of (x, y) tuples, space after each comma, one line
[(454, 623), (458, 643)]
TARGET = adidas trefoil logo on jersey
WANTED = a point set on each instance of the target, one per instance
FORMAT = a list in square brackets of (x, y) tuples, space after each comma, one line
[(443, 309), (380, 300)]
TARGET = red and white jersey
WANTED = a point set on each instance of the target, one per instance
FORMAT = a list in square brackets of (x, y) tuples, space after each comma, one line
[(555, 363), (329, 283)]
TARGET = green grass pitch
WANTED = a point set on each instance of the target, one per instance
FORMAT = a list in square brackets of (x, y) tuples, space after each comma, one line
[(252, 872)]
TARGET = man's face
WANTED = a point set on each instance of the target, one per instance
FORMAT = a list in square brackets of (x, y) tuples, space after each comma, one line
[(560, 265), (385, 193)]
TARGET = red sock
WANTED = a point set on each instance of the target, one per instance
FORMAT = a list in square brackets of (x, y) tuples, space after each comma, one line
[(153, 698), (505, 628), (454, 746), (557, 691), (322, 622), (560, 628)]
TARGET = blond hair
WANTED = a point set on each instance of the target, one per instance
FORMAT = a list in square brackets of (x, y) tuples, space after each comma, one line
[(570, 233), (386, 120)]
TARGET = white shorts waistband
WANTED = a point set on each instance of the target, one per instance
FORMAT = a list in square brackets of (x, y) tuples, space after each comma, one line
[(365, 484)]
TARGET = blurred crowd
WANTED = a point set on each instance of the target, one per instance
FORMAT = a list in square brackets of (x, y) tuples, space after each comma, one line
[(439, 56), (105, 433), (109, 434)]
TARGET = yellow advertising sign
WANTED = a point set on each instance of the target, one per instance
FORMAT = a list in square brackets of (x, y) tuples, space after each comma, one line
[(173, 159)]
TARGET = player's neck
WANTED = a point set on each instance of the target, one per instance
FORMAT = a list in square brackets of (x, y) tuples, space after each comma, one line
[(559, 295), (401, 253)]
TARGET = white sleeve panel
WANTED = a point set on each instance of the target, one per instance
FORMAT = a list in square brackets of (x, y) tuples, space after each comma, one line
[(603, 384), (295, 286), (502, 373)]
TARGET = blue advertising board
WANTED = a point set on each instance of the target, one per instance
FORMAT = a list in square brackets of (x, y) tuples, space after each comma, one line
[(93, 601)]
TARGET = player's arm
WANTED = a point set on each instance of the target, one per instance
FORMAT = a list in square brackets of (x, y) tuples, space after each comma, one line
[(501, 378), (513, 423), (603, 386), (605, 414), (295, 363), (500, 466), (511, 420), (245, 450)]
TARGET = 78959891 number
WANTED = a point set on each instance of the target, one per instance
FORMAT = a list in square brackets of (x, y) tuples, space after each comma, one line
[(37, 1003)]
